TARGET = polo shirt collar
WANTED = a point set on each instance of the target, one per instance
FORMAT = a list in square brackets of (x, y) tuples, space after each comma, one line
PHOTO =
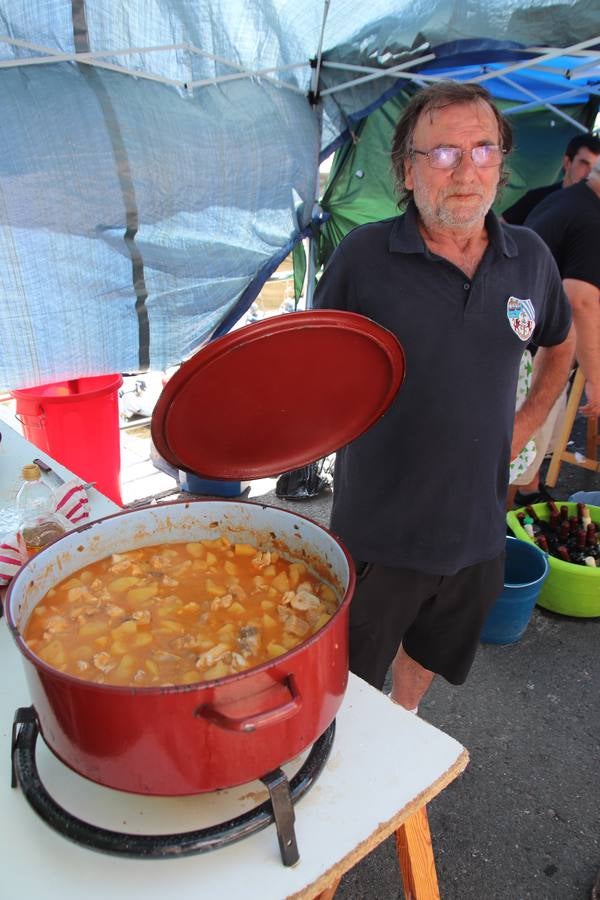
[(405, 236)]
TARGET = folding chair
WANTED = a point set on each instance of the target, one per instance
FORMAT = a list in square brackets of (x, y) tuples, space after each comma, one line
[(560, 454)]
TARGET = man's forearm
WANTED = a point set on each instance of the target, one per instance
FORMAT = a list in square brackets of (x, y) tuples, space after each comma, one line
[(585, 304), (552, 372)]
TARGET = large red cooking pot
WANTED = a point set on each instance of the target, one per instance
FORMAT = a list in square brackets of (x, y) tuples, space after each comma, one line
[(257, 402), (190, 738)]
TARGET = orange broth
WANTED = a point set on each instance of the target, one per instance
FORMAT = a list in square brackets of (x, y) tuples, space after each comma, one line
[(178, 613)]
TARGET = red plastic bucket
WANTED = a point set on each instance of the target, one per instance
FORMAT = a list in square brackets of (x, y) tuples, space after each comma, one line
[(77, 423)]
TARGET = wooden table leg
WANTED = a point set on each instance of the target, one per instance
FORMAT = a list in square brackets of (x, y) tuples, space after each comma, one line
[(329, 893), (415, 854)]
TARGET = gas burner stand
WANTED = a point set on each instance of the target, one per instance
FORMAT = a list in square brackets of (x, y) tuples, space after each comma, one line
[(283, 793)]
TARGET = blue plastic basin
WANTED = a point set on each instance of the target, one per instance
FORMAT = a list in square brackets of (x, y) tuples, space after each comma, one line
[(525, 571)]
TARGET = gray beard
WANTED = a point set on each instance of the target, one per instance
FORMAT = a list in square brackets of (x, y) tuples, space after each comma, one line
[(436, 216)]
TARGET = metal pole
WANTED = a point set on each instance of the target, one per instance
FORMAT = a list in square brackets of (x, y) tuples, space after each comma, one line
[(315, 100), (311, 268)]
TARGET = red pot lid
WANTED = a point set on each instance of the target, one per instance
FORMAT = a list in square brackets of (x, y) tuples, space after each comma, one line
[(278, 394)]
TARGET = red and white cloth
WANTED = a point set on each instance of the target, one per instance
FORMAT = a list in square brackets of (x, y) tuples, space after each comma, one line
[(71, 502), (12, 557)]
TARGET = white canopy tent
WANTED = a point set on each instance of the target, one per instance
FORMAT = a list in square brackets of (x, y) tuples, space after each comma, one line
[(158, 161)]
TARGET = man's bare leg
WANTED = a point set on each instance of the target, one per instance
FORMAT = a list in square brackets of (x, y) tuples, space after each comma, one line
[(410, 681)]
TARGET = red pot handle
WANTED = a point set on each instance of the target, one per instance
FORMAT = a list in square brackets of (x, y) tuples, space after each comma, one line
[(251, 723)]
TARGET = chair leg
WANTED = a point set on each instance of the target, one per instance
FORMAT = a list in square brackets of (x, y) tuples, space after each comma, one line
[(567, 426), (591, 444)]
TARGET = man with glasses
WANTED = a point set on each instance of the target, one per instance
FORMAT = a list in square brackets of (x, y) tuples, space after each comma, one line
[(419, 499)]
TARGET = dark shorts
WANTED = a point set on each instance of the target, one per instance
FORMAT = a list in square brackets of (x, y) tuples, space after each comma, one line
[(437, 618)]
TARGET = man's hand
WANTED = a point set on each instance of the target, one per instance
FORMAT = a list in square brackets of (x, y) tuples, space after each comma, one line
[(592, 395)]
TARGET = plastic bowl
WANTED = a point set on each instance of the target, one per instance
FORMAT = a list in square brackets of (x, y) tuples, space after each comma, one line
[(569, 589)]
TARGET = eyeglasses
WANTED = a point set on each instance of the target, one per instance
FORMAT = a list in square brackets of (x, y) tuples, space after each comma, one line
[(484, 156)]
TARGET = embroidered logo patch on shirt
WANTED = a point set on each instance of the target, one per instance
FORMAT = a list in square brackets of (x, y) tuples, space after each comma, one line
[(521, 315)]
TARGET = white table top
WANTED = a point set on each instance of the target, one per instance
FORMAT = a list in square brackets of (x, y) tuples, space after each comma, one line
[(381, 760), (384, 764)]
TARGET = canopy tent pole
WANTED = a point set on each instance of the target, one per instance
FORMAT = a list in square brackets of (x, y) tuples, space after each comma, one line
[(574, 92), (259, 73), (591, 66), (545, 103), (96, 58), (315, 101), (394, 72), (402, 70), (532, 63)]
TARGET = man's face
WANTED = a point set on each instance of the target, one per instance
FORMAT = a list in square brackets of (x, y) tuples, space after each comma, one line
[(459, 198), (579, 167)]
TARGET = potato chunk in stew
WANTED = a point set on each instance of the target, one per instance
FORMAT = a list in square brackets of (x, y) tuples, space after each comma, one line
[(178, 613)]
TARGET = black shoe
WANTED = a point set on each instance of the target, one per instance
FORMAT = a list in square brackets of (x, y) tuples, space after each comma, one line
[(540, 496)]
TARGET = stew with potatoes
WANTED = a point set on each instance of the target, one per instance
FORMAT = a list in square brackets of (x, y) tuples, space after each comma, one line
[(178, 613)]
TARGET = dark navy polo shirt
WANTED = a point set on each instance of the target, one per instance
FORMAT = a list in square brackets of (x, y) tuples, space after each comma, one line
[(425, 487), (518, 212), (569, 224)]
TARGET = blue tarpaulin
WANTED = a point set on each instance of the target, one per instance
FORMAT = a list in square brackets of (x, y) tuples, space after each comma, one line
[(157, 160)]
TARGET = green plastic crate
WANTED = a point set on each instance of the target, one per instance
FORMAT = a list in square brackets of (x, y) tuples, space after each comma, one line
[(569, 589)]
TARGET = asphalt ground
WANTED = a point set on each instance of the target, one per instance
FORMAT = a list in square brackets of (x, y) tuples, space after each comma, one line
[(523, 821)]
